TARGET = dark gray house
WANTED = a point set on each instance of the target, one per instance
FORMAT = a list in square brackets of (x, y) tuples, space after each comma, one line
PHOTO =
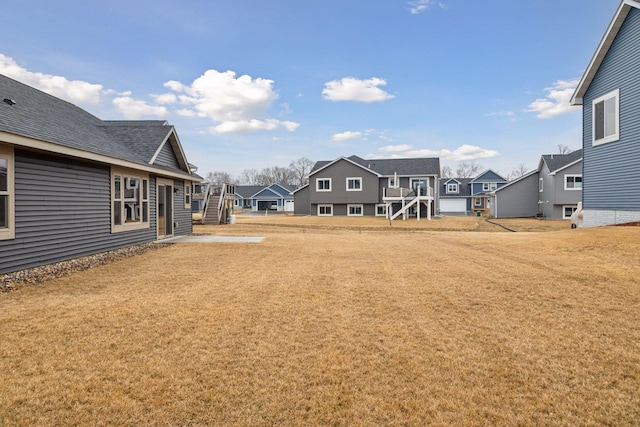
[(609, 93), (552, 191), (73, 185), (353, 186)]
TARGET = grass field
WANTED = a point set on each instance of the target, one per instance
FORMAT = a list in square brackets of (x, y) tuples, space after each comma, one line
[(340, 323)]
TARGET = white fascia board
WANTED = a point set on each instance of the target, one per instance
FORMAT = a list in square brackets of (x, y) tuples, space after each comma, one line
[(603, 48), (566, 166)]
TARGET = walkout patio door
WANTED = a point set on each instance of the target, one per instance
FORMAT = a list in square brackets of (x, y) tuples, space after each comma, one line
[(164, 210)]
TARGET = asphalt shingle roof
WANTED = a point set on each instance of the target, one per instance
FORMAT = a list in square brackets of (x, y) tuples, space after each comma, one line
[(559, 161), (41, 116), (388, 167)]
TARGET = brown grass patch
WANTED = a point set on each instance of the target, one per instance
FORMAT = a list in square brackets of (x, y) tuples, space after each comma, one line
[(337, 326)]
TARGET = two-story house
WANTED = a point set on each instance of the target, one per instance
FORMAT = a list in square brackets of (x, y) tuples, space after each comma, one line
[(465, 196), (353, 186), (609, 93), (481, 188), (552, 191)]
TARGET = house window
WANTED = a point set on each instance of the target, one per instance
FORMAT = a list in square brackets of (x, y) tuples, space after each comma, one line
[(477, 202), (573, 182), (7, 194), (453, 188), (354, 210), (540, 185), (325, 210), (393, 183), (187, 195), (381, 210), (568, 210), (489, 186), (129, 200), (323, 184), (606, 118), (354, 184)]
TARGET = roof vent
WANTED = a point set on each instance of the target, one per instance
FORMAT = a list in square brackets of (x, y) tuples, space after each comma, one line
[(9, 101)]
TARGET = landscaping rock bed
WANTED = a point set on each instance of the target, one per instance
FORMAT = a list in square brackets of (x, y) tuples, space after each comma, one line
[(11, 281)]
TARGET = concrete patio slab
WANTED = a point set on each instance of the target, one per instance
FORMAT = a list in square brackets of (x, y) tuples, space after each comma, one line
[(213, 239)]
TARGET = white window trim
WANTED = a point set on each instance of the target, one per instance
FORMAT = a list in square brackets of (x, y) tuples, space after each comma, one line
[(356, 178), (574, 182), (188, 196), (323, 190), (564, 207), (355, 206), (385, 209), (392, 184), (9, 233), (325, 206), (142, 176), (453, 188), (540, 185), (616, 135)]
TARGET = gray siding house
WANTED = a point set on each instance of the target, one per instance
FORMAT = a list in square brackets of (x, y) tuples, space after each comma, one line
[(552, 191), (609, 94), (352, 186), (72, 185)]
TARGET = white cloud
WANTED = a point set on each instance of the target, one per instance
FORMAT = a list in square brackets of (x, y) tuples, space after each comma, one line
[(236, 104), (460, 154), (74, 91), (133, 109), (352, 89), (165, 98), (346, 136), (418, 6), (557, 101), (395, 148), (253, 125)]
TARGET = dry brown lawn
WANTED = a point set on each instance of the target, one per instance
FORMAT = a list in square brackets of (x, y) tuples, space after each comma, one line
[(336, 323)]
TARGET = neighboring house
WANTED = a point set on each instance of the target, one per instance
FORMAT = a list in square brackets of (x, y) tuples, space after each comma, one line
[(276, 197), (455, 196), (352, 186), (609, 94), (480, 188), (72, 185), (551, 191), (244, 194)]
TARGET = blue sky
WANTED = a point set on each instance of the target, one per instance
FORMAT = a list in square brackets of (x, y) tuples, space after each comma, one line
[(253, 84)]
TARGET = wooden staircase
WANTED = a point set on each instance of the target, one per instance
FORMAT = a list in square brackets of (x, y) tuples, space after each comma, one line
[(218, 200)]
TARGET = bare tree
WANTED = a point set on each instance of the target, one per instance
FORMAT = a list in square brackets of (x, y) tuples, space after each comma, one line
[(219, 177), (249, 177), (520, 170), (446, 172), (468, 170), (563, 149), (275, 175), (300, 170)]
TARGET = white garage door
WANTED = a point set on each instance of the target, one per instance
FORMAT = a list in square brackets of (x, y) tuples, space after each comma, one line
[(288, 205), (453, 205)]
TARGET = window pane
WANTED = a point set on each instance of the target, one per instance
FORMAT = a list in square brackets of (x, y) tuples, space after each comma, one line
[(132, 205), (145, 189), (578, 182), (145, 211), (4, 211), (4, 165), (117, 217), (599, 120), (610, 116), (116, 187)]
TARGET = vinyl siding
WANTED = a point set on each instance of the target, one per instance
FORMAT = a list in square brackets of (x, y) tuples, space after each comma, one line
[(302, 205), (611, 170), (339, 172), (166, 157), (518, 200), (63, 211)]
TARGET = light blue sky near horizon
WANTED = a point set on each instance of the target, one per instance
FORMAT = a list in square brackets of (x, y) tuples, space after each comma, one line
[(487, 81)]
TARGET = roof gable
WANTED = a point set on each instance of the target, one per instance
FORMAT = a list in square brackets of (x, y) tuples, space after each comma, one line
[(328, 164), (266, 192), (488, 176), (604, 46), (557, 162), (525, 176), (421, 166), (246, 191)]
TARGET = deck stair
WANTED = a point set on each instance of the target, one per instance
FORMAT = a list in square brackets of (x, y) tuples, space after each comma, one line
[(408, 198), (219, 200)]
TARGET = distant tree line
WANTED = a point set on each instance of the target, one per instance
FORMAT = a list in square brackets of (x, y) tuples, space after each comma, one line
[(295, 174)]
